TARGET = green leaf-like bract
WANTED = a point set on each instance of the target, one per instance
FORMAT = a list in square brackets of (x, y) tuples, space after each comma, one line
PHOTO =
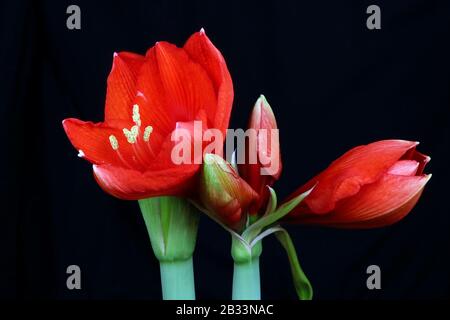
[(172, 225), (271, 216), (302, 285)]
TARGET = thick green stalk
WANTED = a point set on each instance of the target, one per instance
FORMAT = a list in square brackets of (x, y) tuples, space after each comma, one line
[(246, 280), (177, 280)]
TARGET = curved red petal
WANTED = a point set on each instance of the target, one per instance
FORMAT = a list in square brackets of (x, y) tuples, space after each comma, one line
[(378, 204), (151, 97), (121, 88), (187, 86), (202, 51), (164, 157), (129, 184), (92, 141)]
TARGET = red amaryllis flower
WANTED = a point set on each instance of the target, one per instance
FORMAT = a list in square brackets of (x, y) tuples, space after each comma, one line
[(148, 97), (369, 186), (266, 166)]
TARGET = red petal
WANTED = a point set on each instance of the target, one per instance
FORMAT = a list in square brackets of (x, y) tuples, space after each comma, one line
[(131, 184), (172, 88), (404, 168), (164, 155), (151, 97), (93, 141), (415, 155), (202, 51), (346, 175), (187, 86), (121, 90), (378, 204)]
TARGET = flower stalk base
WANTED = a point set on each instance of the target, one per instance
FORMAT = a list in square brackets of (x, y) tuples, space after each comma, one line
[(177, 280), (246, 280)]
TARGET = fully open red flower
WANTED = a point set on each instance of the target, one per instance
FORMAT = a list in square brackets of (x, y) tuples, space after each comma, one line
[(148, 97), (369, 186)]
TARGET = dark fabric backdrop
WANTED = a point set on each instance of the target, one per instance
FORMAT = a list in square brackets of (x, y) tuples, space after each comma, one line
[(332, 83)]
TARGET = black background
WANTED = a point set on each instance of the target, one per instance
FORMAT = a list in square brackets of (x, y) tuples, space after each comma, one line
[(332, 83)]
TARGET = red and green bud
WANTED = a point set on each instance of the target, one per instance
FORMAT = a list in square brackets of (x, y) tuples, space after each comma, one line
[(223, 193)]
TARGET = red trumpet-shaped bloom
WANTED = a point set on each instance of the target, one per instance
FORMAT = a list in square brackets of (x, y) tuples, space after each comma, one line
[(369, 186), (148, 97)]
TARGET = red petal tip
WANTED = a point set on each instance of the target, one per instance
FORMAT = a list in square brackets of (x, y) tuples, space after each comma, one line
[(66, 122)]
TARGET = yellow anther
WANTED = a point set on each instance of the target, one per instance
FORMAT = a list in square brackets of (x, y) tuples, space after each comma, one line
[(147, 132), (114, 142), (132, 134), (136, 115)]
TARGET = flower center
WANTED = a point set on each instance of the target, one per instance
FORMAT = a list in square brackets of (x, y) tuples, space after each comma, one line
[(132, 135)]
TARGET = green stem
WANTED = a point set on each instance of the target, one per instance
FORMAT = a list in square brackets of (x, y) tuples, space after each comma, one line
[(177, 280), (246, 281)]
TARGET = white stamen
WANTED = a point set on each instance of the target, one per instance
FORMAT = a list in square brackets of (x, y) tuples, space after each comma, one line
[(114, 142), (147, 132), (81, 153)]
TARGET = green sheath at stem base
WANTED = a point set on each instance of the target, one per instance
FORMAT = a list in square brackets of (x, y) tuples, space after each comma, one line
[(246, 281), (172, 225), (177, 280)]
